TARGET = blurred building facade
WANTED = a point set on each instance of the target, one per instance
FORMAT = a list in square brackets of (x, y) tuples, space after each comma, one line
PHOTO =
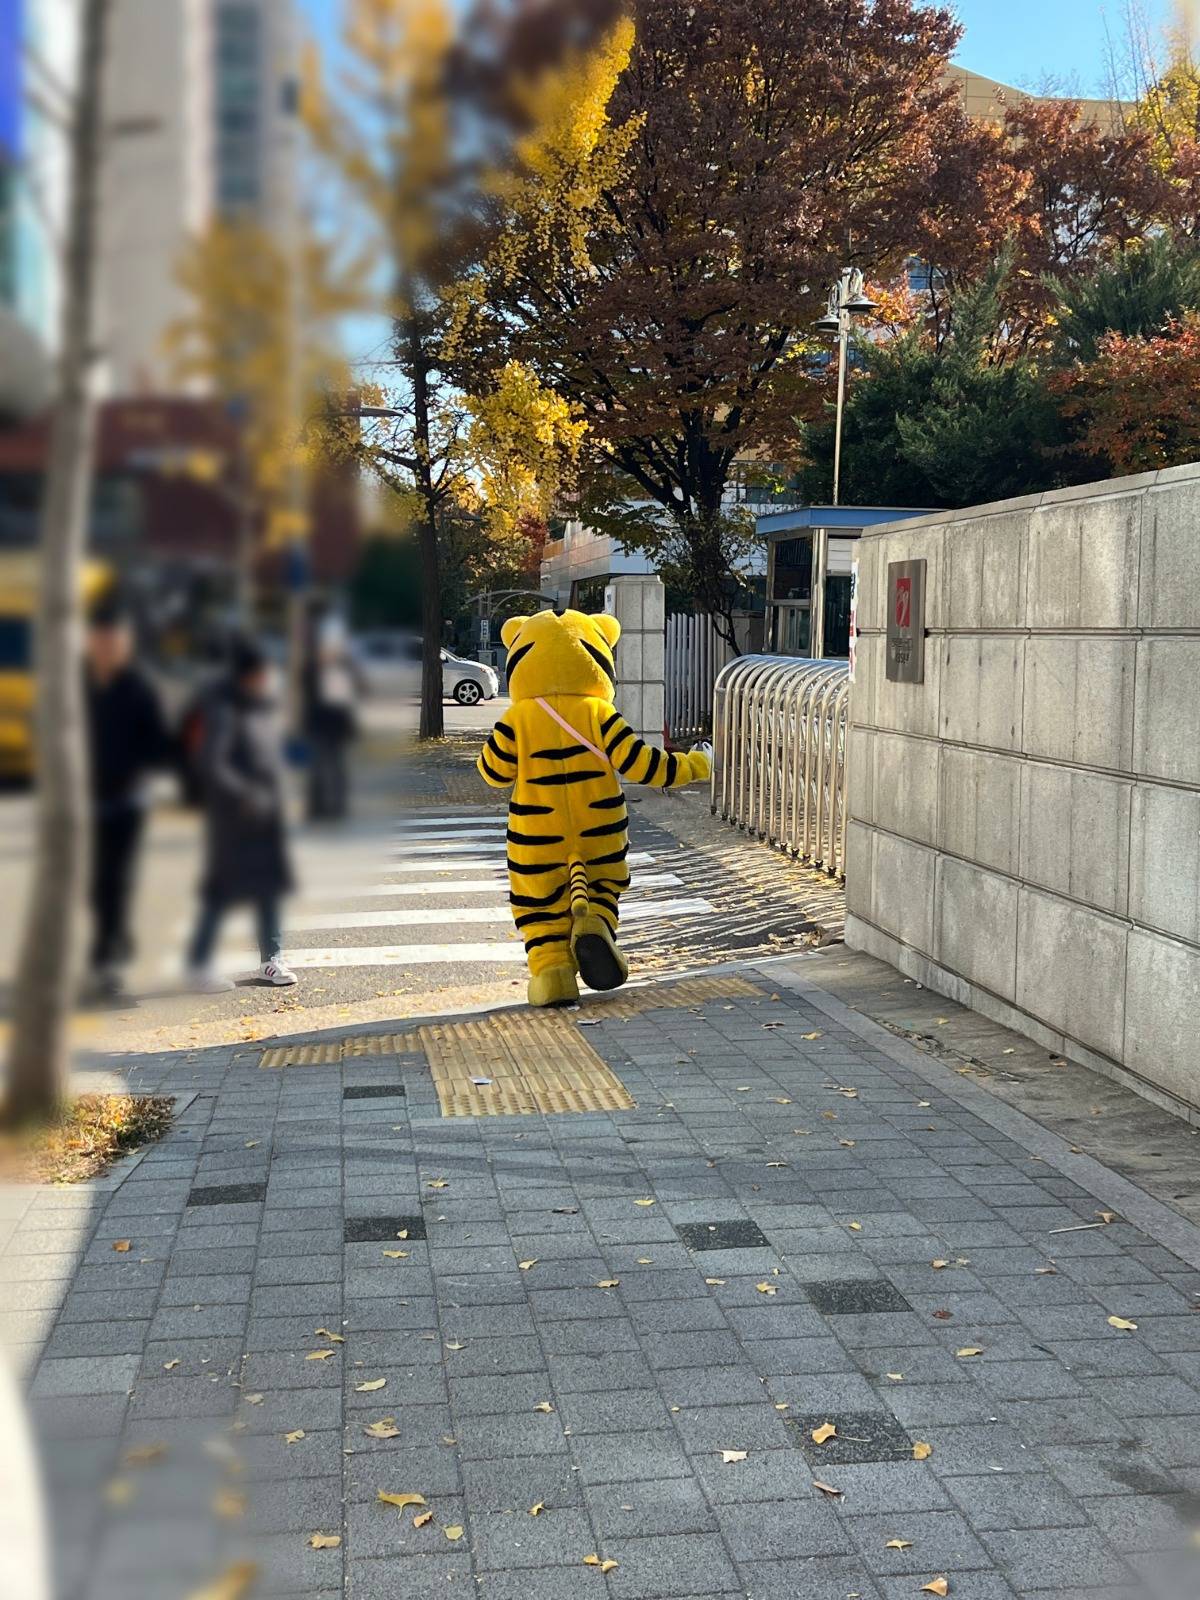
[(201, 116)]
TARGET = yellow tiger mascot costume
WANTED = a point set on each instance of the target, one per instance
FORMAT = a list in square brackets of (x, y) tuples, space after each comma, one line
[(563, 747)]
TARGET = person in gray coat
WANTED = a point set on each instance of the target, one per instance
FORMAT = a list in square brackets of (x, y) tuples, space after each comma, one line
[(241, 768)]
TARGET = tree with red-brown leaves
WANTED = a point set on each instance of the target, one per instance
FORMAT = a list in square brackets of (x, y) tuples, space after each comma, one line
[(1136, 407), (762, 146)]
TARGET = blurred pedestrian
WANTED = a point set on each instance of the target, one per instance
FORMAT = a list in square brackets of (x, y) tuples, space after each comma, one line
[(241, 766), (127, 739), (330, 692)]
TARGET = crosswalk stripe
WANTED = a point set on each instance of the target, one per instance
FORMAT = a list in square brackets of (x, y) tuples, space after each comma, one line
[(440, 886), (442, 916), (387, 955), (455, 863), (484, 830)]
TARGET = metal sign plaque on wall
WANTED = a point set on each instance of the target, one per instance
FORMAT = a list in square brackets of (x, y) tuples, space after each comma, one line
[(906, 622)]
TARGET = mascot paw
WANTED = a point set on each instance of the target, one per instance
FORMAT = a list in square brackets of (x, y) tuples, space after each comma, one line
[(700, 761), (554, 987), (601, 964)]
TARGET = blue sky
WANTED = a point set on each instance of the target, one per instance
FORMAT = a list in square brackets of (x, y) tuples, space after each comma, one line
[(1021, 42)]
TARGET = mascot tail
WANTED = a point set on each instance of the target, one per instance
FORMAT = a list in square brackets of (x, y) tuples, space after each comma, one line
[(601, 964), (578, 881)]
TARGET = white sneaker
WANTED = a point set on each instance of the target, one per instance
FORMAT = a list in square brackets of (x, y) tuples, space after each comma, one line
[(201, 980), (277, 972)]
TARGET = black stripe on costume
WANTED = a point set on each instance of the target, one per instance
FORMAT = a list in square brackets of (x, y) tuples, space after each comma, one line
[(534, 866), (606, 828), (540, 916), (625, 733), (565, 754), (545, 938), (606, 804), (611, 885), (609, 722), (537, 899), (518, 809), (601, 660), (603, 861), (603, 900), (510, 666), (652, 773), (569, 777), (503, 727), (494, 748), (635, 751), (672, 768), (533, 838), (490, 770)]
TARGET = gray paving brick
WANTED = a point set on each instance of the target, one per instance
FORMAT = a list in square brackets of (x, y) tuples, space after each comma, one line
[(642, 1509), (629, 1457), (668, 1565), (91, 1375), (1062, 1558), (505, 1541), (778, 1529), (814, 1577), (940, 1540), (514, 1486), (1016, 1500)]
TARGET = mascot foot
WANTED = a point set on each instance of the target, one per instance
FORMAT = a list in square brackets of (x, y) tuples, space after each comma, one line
[(555, 986), (601, 964)]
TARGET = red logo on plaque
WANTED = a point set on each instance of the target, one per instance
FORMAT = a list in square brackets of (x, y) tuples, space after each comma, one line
[(903, 602)]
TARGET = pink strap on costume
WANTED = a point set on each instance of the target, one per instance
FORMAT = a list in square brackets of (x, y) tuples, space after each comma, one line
[(574, 732)]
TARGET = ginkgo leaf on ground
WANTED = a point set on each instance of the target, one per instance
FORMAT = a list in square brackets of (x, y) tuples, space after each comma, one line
[(826, 1488), (537, 1508), (898, 1544), (938, 1586), (327, 1333), (595, 1561), (1122, 1322), (544, 1405), (453, 1532), (648, 1201), (385, 1428), (233, 1584), (319, 1355), (716, 1282), (325, 1541), (422, 1519), (526, 1265), (922, 1451), (827, 1431), (855, 1227), (608, 1283), (370, 1386), (969, 1350), (728, 1456), (396, 1255), (169, 1366), (387, 1498), (295, 1436), (766, 1288), (122, 1246)]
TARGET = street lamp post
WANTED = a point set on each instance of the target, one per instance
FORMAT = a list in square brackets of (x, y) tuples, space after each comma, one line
[(847, 300)]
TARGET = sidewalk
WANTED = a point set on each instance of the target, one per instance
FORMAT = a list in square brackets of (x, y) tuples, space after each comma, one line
[(630, 1322)]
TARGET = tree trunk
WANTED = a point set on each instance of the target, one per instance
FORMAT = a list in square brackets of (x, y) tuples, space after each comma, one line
[(39, 1059), (432, 718)]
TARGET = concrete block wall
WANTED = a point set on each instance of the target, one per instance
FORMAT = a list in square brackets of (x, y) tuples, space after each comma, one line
[(639, 604), (1024, 827)]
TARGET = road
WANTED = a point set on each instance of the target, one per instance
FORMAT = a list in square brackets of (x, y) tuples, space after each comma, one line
[(402, 911)]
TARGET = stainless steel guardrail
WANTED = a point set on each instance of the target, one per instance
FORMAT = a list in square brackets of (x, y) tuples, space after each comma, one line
[(779, 754)]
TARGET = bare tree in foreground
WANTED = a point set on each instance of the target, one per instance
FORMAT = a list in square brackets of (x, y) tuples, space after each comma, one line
[(39, 1057)]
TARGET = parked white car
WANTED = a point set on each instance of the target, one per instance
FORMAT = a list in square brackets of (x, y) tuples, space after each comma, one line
[(390, 664)]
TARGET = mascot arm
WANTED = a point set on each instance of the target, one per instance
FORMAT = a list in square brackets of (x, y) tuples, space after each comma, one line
[(497, 763), (639, 762)]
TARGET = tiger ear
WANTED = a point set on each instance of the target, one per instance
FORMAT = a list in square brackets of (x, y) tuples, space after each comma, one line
[(608, 628), (511, 630)]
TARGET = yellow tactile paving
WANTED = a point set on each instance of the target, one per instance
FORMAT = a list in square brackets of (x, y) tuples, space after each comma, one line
[(687, 992), (333, 1051), (532, 1063)]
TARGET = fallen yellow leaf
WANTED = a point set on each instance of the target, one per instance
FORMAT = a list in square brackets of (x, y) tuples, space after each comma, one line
[(169, 1366), (385, 1428), (816, 1035), (422, 1518), (826, 1488), (233, 1584), (295, 1436), (645, 1261), (898, 1544), (969, 1350), (1122, 1322), (400, 1500), (648, 1201), (454, 1344), (766, 1288), (728, 1456), (855, 1227), (608, 1283), (922, 1451), (595, 1561), (437, 1183), (329, 1334), (453, 1532), (896, 1377), (543, 1405), (325, 1541), (318, 1355), (938, 1586), (535, 1510), (716, 1282), (403, 1234), (396, 1255), (122, 1246), (827, 1430), (370, 1386), (525, 1265), (938, 1265)]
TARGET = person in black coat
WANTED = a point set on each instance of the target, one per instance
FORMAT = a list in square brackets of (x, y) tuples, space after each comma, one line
[(241, 767), (127, 741)]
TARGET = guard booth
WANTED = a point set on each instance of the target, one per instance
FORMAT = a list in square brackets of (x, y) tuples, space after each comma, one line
[(810, 562)]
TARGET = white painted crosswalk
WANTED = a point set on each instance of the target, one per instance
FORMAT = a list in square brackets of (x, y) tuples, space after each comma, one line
[(455, 861)]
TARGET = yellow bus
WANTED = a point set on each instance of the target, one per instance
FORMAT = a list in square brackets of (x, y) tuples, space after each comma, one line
[(18, 607)]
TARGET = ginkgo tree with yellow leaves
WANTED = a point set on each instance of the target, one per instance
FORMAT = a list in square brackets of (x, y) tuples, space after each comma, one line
[(260, 332), (500, 452)]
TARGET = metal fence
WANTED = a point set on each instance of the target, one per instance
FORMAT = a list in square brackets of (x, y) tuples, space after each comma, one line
[(779, 754), (695, 654)]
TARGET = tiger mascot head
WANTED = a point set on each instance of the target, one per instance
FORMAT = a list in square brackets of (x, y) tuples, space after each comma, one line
[(561, 653)]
